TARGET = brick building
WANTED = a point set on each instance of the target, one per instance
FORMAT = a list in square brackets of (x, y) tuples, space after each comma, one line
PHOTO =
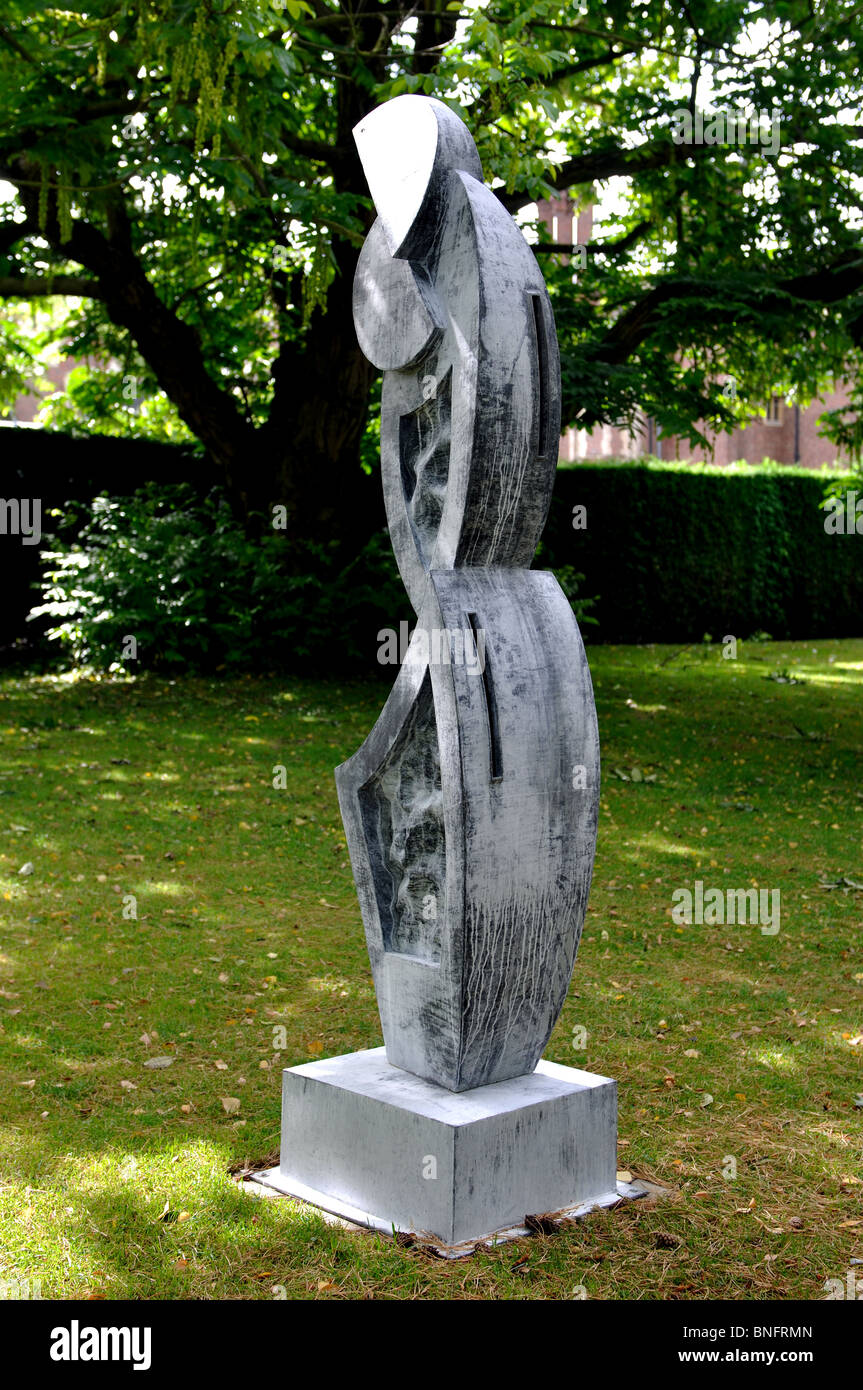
[(27, 407), (787, 433)]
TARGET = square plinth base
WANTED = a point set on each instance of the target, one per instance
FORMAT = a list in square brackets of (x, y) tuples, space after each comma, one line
[(385, 1149)]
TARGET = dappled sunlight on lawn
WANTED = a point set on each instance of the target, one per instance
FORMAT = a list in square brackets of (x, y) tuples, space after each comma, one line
[(326, 984), (30, 1042), (166, 888), (833, 677), (650, 840), (776, 1058)]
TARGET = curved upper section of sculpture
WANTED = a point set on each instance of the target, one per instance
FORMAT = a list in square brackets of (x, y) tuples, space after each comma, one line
[(450, 304), (408, 148)]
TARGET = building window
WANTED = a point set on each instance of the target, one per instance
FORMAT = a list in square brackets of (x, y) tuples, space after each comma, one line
[(773, 409)]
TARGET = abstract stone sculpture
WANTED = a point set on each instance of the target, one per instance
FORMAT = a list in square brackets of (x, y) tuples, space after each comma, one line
[(471, 809)]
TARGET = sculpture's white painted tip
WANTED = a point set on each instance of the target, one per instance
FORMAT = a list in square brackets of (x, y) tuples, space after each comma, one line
[(402, 145)]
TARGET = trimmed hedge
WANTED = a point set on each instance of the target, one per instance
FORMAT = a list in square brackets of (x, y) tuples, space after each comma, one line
[(57, 468), (674, 551)]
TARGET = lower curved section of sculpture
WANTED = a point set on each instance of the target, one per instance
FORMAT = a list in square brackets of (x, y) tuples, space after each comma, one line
[(470, 814)]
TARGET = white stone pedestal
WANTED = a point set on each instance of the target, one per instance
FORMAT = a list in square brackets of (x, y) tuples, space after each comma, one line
[(385, 1149)]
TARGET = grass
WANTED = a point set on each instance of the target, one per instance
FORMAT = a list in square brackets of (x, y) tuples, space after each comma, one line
[(113, 1175)]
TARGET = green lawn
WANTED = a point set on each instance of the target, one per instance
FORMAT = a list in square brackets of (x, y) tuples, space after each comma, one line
[(114, 1176)]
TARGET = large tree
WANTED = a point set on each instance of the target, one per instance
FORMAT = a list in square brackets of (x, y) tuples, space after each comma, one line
[(188, 171)]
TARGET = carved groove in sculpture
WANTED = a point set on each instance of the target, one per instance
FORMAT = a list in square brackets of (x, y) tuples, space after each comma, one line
[(471, 846)]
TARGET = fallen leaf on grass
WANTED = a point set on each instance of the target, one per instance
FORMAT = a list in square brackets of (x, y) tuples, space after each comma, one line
[(230, 1104)]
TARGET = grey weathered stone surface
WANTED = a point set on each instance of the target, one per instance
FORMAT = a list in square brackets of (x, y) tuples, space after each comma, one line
[(472, 995), (358, 1134), (450, 303), (470, 811)]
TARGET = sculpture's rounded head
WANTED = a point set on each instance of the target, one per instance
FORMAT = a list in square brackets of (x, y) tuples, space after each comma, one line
[(407, 147)]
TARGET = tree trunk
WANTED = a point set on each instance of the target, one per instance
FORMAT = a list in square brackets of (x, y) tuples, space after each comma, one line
[(311, 443)]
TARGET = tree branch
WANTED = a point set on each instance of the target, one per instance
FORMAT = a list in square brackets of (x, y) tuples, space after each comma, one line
[(34, 286), (593, 248), (610, 163), (312, 149), (827, 285)]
